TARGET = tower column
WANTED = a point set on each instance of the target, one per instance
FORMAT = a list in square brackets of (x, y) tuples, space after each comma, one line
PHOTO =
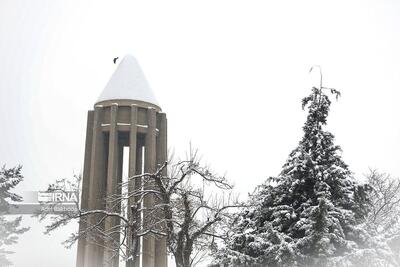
[(93, 246), (85, 188), (111, 256), (133, 185), (161, 258), (138, 184), (148, 201)]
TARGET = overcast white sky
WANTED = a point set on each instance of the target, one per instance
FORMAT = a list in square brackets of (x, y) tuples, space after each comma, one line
[(229, 74)]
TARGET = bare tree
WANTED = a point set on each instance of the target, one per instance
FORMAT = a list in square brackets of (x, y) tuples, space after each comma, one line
[(384, 216), (191, 205)]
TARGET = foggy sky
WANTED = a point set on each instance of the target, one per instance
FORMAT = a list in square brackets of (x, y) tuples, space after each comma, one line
[(229, 74)]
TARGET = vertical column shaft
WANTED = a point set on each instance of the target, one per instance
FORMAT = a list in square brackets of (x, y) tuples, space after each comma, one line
[(138, 185), (133, 247), (111, 256), (148, 202), (85, 188), (161, 259), (93, 246)]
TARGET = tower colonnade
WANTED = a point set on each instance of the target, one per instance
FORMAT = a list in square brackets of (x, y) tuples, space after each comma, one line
[(117, 121)]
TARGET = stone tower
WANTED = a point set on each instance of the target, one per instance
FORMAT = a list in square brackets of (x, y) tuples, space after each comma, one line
[(125, 115)]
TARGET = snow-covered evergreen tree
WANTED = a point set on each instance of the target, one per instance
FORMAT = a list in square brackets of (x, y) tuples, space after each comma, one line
[(312, 213), (9, 229)]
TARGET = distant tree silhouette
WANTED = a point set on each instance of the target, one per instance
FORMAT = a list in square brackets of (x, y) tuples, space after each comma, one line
[(9, 229)]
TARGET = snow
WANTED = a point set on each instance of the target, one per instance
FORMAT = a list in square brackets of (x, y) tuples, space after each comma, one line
[(129, 83), (141, 125)]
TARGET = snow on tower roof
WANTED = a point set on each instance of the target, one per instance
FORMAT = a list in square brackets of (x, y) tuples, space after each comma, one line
[(128, 83)]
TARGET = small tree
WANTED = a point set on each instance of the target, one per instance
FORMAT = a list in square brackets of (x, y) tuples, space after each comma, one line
[(191, 203), (385, 203), (9, 229), (195, 203), (384, 217)]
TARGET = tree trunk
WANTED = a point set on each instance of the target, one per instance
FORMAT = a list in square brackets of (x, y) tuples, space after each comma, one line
[(179, 261), (182, 258)]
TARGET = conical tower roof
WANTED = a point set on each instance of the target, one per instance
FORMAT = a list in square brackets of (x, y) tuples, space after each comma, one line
[(128, 83)]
